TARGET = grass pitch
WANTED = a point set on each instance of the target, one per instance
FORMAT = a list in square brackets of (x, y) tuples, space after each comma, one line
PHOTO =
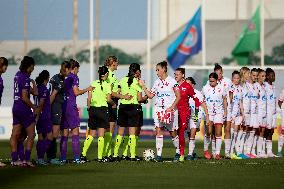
[(251, 173)]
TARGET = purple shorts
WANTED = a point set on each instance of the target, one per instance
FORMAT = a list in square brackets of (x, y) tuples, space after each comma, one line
[(44, 126), (70, 118), (25, 117)]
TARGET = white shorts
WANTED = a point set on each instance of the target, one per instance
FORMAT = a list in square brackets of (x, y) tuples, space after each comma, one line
[(172, 126), (247, 119), (262, 121), (271, 121), (238, 120), (254, 121), (217, 118), (193, 125), (282, 119), (229, 114)]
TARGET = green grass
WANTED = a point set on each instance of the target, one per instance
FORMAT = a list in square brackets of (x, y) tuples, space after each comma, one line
[(252, 173)]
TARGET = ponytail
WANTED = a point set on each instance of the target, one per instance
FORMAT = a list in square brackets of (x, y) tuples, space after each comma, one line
[(103, 70), (133, 68)]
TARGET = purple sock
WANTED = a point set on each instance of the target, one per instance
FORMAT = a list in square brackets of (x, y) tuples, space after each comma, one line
[(27, 155), (63, 147), (47, 145), (76, 146), (21, 150), (40, 148), (14, 156)]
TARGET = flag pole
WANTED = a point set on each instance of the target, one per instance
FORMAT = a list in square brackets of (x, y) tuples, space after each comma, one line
[(148, 60), (91, 40), (262, 34), (203, 33)]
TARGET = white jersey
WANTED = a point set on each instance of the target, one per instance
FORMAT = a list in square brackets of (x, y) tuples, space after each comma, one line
[(200, 97), (271, 98), (281, 98), (254, 99), (164, 91), (262, 100), (247, 93), (237, 92), (214, 99)]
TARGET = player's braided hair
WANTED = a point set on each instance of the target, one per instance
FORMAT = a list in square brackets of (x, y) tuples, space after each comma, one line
[(26, 63), (102, 71), (133, 68)]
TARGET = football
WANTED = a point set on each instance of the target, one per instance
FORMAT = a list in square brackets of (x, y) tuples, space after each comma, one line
[(148, 155)]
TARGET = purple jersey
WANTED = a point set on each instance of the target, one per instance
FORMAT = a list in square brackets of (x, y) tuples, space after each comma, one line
[(43, 93), (21, 82), (70, 81), (1, 88), (70, 117)]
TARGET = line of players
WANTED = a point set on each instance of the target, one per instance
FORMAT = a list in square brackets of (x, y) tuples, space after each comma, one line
[(247, 104)]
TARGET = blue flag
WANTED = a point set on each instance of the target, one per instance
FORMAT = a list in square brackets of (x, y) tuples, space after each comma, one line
[(188, 43)]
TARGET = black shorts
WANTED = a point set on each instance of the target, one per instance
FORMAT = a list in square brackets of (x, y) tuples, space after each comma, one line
[(141, 115), (129, 115), (98, 118), (56, 113), (112, 114)]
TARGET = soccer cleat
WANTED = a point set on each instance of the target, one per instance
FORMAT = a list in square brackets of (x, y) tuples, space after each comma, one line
[(159, 159), (28, 164), (135, 159), (181, 158), (176, 158), (115, 159), (252, 156), (78, 161), (207, 155), (262, 155), (103, 160), (243, 156), (234, 156), (279, 154), (63, 162), (84, 158), (271, 155), (139, 159), (55, 161), (17, 163), (125, 158), (2, 164), (41, 162), (110, 158), (218, 157), (227, 156)]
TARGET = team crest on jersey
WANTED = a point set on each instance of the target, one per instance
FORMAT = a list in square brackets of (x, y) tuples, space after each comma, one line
[(189, 41)]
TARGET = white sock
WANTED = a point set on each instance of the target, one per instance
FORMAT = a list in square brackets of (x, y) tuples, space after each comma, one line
[(259, 145), (238, 141), (159, 144), (191, 146), (218, 145), (227, 146), (269, 146), (206, 142), (233, 142), (250, 142), (213, 146), (242, 142), (280, 143), (176, 144), (263, 145), (255, 139), (245, 143)]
